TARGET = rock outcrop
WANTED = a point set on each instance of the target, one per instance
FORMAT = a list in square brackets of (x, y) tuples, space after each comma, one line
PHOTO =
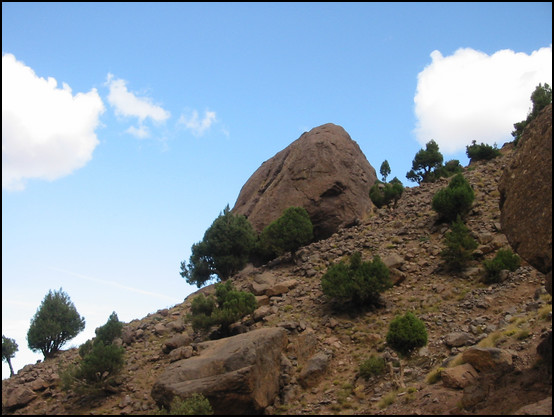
[(239, 374), (323, 171), (526, 203), (526, 195)]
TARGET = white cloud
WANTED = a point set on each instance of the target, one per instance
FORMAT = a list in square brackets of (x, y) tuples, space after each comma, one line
[(473, 96), (47, 132), (140, 132), (197, 126), (127, 103)]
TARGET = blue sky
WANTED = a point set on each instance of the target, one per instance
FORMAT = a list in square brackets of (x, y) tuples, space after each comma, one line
[(128, 127)]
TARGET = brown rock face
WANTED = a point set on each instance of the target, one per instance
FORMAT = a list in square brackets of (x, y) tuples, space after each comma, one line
[(526, 194), (238, 374), (323, 171), (526, 204)]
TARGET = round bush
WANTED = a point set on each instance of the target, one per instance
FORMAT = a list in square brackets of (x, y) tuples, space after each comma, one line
[(101, 360), (357, 284), (481, 152), (224, 250), (406, 333), (504, 259), (373, 366), (228, 306), (454, 200), (382, 194), (288, 233)]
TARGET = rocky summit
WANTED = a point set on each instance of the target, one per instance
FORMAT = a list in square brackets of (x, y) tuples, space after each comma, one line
[(295, 354), (323, 171)]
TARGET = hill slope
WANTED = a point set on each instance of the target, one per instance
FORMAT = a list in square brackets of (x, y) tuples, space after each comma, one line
[(458, 311)]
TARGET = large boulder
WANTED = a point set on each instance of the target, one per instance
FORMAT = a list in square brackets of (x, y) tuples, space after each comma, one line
[(238, 374), (526, 194), (323, 171)]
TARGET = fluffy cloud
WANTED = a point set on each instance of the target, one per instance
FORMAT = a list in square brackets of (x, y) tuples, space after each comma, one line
[(126, 103), (473, 96), (47, 132), (140, 132), (197, 126)]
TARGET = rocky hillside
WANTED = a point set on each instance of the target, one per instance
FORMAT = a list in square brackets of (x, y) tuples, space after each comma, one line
[(483, 339)]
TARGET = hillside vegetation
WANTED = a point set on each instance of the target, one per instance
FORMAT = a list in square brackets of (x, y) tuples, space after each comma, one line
[(458, 310)]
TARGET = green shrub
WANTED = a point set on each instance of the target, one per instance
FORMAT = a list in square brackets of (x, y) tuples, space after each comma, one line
[(541, 97), (450, 168), (288, 233), (224, 250), (201, 309), (86, 348), (459, 246), (104, 334), (406, 333), (374, 365), (109, 331), (228, 307), (101, 364), (67, 376), (202, 305), (481, 152), (100, 361), (377, 194), (195, 405), (233, 304), (504, 259), (382, 194), (454, 200), (357, 284)]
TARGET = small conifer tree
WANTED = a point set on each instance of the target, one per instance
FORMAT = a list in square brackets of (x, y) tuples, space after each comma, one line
[(55, 322), (425, 162), (227, 307), (224, 250), (541, 97), (454, 200), (385, 170), (406, 333), (9, 347), (357, 284), (481, 152), (459, 246), (101, 361), (288, 233), (504, 259)]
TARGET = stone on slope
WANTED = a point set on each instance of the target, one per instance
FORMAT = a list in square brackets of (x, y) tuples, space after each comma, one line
[(238, 374)]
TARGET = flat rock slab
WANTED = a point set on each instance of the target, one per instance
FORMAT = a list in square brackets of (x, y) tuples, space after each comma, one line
[(238, 374)]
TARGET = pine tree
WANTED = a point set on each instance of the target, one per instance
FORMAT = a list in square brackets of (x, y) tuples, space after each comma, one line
[(55, 322), (9, 347), (385, 170)]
